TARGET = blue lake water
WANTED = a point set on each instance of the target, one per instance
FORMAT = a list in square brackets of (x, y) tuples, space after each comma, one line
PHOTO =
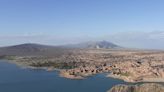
[(16, 79)]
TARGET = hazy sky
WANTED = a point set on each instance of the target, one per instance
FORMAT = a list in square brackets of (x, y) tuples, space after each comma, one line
[(129, 23)]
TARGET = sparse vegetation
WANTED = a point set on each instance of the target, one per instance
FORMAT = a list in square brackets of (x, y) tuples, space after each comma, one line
[(8, 57), (125, 74), (58, 65)]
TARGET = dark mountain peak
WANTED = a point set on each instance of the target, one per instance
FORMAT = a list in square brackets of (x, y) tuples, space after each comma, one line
[(28, 46), (25, 49), (32, 49)]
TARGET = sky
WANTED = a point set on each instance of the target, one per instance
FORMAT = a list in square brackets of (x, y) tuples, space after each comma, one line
[(129, 23)]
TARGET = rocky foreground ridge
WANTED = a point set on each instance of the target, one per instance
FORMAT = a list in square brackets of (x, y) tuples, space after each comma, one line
[(152, 87)]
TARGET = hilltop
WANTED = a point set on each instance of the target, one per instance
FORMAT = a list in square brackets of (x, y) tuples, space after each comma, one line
[(94, 45)]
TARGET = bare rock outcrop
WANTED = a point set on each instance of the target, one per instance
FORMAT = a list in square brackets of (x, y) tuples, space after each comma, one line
[(138, 88)]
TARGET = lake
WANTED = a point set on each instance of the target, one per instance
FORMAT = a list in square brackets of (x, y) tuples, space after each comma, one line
[(16, 79)]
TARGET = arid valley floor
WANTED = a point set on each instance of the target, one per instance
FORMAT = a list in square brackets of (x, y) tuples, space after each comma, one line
[(125, 64)]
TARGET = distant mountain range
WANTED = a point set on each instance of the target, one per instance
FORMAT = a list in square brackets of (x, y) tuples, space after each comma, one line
[(38, 49)]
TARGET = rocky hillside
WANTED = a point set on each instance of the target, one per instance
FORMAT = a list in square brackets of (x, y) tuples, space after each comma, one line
[(138, 88)]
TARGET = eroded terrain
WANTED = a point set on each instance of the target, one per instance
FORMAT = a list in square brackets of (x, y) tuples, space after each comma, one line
[(128, 65)]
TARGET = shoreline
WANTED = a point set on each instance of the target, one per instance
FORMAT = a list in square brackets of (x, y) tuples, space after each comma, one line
[(64, 74)]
